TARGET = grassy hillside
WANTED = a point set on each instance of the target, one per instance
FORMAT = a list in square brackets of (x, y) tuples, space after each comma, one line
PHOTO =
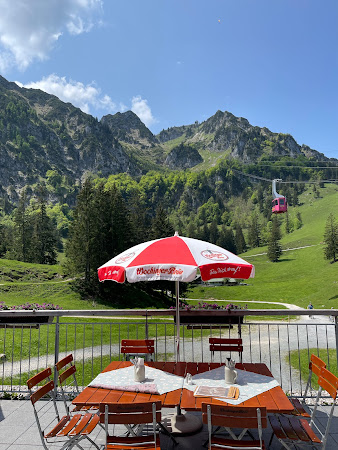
[(36, 283), (301, 275), (24, 282)]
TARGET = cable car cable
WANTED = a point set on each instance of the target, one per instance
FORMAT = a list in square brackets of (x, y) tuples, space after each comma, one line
[(286, 182)]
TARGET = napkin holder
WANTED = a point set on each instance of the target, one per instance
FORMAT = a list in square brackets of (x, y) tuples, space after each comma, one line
[(139, 370)]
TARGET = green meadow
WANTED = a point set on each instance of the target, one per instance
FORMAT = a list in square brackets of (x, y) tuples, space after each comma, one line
[(302, 274)]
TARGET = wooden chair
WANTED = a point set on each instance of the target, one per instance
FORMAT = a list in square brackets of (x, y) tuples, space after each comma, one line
[(68, 429), (66, 372), (226, 345), (315, 366), (138, 347), (292, 431), (138, 414), (229, 417)]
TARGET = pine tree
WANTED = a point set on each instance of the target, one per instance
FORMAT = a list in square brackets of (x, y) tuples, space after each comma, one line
[(81, 243), (122, 236), (287, 223), (239, 239), (140, 220), (254, 235), (191, 229), (213, 232), (227, 239), (22, 231), (3, 240), (102, 248), (331, 238), (295, 200), (274, 247), (44, 240), (161, 226)]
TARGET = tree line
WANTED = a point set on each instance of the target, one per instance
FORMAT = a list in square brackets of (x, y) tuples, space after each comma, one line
[(106, 221)]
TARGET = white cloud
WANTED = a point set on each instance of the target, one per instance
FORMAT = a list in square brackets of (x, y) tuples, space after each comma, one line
[(30, 28), (89, 98), (85, 97), (141, 108)]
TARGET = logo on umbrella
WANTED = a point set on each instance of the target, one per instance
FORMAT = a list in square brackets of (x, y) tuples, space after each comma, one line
[(122, 259), (214, 256)]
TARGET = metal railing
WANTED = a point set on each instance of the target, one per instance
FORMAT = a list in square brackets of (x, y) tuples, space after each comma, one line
[(93, 337)]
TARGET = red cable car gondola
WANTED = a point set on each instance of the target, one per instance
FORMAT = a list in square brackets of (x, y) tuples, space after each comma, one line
[(279, 203)]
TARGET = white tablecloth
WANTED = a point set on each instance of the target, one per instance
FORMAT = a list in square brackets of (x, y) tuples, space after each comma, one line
[(164, 381), (250, 384)]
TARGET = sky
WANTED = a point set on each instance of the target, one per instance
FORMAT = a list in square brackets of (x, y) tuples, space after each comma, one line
[(174, 62)]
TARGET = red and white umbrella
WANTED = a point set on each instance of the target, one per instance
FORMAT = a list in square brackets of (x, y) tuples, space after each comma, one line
[(175, 258)]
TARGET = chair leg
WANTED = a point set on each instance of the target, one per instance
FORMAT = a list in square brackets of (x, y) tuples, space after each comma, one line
[(93, 443), (167, 433), (281, 441), (212, 434)]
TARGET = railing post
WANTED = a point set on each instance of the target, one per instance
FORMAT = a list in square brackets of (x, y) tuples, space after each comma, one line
[(56, 352), (146, 330), (336, 333)]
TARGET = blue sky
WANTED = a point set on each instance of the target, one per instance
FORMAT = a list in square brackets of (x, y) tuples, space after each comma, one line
[(274, 62)]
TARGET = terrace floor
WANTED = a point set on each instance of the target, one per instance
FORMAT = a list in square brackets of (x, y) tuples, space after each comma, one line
[(18, 430)]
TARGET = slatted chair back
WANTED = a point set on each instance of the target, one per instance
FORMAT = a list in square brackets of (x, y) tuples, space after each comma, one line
[(41, 385), (226, 345), (137, 347), (66, 372), (230, 417), (138, 414), (315, 366), (74, 428), (296, 431), (329, 383)]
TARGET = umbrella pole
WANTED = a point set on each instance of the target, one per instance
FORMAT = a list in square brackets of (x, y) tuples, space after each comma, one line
[(180, 423), (177, 289)]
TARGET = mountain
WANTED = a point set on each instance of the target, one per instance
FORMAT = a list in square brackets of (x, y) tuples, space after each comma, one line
[(226, 134), (39, 133)]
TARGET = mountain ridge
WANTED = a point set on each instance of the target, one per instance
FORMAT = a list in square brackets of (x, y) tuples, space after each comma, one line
[(40, 133)]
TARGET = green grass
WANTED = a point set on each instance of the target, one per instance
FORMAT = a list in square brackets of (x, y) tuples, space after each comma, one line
[(58, 293), (24, 343), (85, 371), (76, 333), (12, 271), (301, 275), (299, 360)]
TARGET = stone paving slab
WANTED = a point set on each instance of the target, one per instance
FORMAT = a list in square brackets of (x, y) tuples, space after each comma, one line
[(18, 430)]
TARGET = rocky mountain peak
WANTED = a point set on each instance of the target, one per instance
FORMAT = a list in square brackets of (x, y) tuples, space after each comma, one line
[(128, 127)]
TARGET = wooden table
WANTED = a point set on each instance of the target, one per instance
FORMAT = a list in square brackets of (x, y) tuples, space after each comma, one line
[(274, 400)]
